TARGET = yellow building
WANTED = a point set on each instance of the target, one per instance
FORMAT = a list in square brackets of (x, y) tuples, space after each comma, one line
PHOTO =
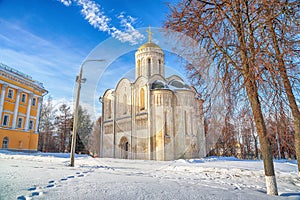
[(20, 104)]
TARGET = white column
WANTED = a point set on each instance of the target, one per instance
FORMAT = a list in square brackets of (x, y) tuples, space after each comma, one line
[(16, 109), (28, 111), (4, 86), (37, 121)]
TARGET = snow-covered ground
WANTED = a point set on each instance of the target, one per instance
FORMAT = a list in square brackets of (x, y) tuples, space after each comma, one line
[(48, 176)]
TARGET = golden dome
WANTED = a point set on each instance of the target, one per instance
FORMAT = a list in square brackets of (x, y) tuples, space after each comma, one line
[(149, 44)]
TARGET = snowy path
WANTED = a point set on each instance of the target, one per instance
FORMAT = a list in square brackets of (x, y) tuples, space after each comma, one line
[(43, 176)]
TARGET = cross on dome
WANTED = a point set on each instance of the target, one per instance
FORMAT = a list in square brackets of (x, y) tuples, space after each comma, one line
[(149, 34)]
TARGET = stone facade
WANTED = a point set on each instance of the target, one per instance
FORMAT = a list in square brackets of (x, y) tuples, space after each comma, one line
[(152, 118)]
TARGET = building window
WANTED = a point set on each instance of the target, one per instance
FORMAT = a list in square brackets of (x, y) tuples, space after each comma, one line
[(109, 109), (34, 102), (5, 120), (23, 99), (159, 66), (142, 99), (10, 93), (139, 68), (20, 122), (166, 125), (149, 66), (30, 125), (5, 143), (125, 104)]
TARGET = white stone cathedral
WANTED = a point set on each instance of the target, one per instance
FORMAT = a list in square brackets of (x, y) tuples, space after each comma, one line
[(154, 117)]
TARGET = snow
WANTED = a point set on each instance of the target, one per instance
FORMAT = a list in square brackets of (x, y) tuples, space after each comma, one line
[(48, 176)]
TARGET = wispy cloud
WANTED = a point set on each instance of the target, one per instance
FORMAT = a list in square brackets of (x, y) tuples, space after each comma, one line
[(36, 56), (96, 17), (66, 2)]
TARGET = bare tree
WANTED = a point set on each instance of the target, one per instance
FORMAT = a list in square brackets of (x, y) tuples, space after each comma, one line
[(46, 129), (63, 124), (280, 126), (228, 30), (94, 138), (282, 25)]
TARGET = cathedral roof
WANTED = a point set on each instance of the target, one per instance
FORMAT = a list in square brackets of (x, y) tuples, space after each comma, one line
[(172, 85), (149, 44)]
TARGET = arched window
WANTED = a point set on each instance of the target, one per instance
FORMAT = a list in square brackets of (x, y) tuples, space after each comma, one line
[(139, 68), (166, 124), (149, 66), (159, 66), (142, 99), (109, 108), (125, 103), (5, 143)]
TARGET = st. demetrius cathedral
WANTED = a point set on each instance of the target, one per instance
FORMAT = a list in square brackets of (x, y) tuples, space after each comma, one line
[(153, 117)]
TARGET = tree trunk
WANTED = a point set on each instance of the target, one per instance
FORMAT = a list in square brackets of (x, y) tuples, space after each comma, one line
[(289, 92), (266, 148), (248, 63)]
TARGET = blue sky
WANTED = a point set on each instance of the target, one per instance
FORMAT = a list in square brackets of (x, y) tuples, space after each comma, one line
[(49, 39)]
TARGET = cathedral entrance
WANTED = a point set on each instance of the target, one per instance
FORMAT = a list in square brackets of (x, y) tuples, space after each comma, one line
[(124, 146)]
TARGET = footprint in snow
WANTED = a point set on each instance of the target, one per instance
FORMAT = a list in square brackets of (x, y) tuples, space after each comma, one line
[(50, 186), (35, 194), (21, 197), (32, 188)]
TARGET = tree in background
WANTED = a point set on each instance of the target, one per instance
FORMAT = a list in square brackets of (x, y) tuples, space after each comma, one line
[(94, 139), (56, 125), (63, 122), (47, 142), (280, 126), (84, 131)]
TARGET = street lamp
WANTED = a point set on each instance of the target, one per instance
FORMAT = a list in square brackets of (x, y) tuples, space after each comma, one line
[(79, 80)]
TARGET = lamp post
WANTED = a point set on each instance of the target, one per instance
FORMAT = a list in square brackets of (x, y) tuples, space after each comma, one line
[(79, 80)]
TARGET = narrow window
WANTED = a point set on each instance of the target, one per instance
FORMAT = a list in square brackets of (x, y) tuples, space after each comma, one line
[(109, 109), (159, 66), (23, 98), (139, 68), (142, 99), (126, 146), (149, 66), (30, 125), (33, 101), (20, 121), (5, 143), (5, 120), (10, 93), (166, 124), (125, 104)]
